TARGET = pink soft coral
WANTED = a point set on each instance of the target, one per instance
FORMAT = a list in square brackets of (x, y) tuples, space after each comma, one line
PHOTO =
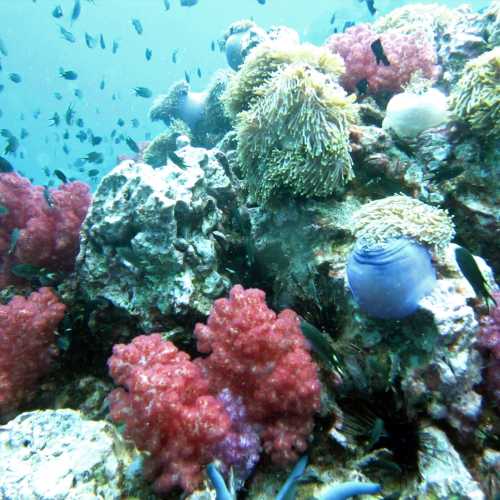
[(264, 358), (489, 339), (49, 235), (406, 53), (26, 343), (168, 410)]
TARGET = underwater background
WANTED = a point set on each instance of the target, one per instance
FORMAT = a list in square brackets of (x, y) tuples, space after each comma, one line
[(249, 249)]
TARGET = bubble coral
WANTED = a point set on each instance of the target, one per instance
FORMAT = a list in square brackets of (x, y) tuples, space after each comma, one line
[(264, 61), (475, 99), (401, 216), (407, 53), (26, 344), (295, 138), (489, 340), (389, 279), (49, 234), (167, 409), (264, 358)]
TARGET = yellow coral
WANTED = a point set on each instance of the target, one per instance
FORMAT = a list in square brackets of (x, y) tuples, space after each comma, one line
[(402, 216), (264, 61)]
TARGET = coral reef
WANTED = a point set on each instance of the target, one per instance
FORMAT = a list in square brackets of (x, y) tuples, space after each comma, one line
[(263, 357), (489, 340), (47, 221), (165, 403), (27, 344), (294, 139), (409, 114), (401, 215), (247, 85), (407, 53), (476, 98)]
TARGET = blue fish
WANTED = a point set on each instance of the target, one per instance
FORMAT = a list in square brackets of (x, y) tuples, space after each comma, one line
[(75, 13), (137, 26)]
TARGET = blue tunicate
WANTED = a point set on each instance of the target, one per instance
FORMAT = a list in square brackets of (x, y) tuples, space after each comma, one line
[(389, 279)]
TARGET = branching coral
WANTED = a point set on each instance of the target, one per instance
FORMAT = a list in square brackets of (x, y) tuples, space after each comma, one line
[(264, 61), (406, 53), (26, 344), (399, 215), (295, 138), (476, 97)]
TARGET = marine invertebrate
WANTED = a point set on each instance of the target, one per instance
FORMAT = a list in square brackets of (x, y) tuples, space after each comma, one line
[(26, 344), (407, 53), (409, 114), (475, 99), (489, 340), (342, 491), (168, 410), (180, 102), (246, 86), (41, 226), (389, 279), (401, 216), (295, 138), (263, 357), (157, 151)]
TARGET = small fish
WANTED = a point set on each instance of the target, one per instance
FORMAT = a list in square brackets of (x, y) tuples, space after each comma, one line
[(93, 173), (48, 197), (188, 3), (137, 26), (132, 145), (148, 54), (102, 43), (36, 114), (24, 133), (3, 48), (174, 56), (102, 84), (55, 120), (212, 46), (166, 4), (445, 174), (114, 49), (57, 12), (80, 123), (378, 52), (65, 149), (113, 133), (94, 157), (472, 274), (332, 19), (5, 166), (261, 2), (61, 175), (66, 135), (67, 35), (135, 123), (4, 210), (120, 122), (347, 25), (198, 72), (186, 77), (90, 41), (81, 136), (46, 171), (58, 95), (69, 115), (142, 92), (68, 75), (362, 86), (6, 133), (12, 145), (15, 77), (75, 13), (14, 237), (371, 6), (96, 140), (78, 93)]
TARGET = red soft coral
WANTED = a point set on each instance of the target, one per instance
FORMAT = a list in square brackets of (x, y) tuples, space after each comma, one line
[(489, 339), (49, 235), (168, 410), (264, 358), (406, 53), (26, 343)]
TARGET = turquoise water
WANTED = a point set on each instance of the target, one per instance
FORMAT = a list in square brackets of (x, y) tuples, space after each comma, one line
[(36, 51)]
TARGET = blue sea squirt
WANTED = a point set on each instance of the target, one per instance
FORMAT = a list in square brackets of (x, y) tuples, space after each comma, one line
[(389, 279)]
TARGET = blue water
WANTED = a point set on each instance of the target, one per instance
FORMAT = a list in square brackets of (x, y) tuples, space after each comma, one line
[(37, 51)]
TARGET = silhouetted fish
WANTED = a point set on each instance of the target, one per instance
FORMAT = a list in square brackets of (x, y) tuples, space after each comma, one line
[(75, 13), (198, 72), (114, 49), (142, 92), (90, 41), (137, 26), (67, 35), (132, 144), (174, 55), (15, 77), (5, 166), (378, 52), (68, 75), (57, 12), (102, 43), (186, 77), (148, 54), (166, 3), (3, 48)]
